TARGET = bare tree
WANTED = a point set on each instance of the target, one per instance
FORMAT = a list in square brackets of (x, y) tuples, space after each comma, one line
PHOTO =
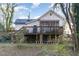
[(67, 10), (7, 10)]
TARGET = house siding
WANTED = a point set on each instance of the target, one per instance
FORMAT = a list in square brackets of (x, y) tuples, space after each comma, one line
[(32, 24), (53, 17), (19, 26)]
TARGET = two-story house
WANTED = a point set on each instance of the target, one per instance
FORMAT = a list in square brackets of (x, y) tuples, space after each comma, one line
[(43, 29)]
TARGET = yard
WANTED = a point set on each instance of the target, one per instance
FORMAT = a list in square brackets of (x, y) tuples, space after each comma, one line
[(35, 50), (64, 48)]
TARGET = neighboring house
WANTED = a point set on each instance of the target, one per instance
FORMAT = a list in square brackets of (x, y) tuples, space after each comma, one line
[(43, 29)]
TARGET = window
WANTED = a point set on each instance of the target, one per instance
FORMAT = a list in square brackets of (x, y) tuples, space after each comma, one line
[(50, 14), (35, 29), (48, 26)]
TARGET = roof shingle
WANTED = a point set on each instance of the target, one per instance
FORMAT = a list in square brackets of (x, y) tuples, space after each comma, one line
[(23, 21)]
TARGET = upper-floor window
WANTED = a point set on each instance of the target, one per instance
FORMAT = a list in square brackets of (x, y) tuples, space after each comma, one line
[(48, 26), (49, 23)]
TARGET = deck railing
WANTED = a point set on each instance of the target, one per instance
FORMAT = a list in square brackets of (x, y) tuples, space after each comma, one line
[(44, 29)]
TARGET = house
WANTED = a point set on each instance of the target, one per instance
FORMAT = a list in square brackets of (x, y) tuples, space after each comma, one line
[(44, 29)]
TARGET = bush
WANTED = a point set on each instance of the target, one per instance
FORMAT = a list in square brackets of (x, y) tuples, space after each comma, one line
[(5, 39), (20, 36), (60, 49), (55, 50)]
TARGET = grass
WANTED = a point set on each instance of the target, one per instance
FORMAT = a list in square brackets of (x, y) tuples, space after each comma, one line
[(22, 46), (56, 50), (48, 49), (36, 49)]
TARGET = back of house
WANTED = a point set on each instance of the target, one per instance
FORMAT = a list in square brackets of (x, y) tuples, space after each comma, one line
[(43, 29)]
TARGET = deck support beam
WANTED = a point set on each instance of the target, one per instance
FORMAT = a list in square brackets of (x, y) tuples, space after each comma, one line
[(49, 39), (36, 39), (41, 38), (55, 39)]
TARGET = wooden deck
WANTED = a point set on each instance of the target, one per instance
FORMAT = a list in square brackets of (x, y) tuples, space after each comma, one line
[(40, 30), (43, 37)]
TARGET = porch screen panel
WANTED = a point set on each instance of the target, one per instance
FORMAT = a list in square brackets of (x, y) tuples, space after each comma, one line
[(48, 26)]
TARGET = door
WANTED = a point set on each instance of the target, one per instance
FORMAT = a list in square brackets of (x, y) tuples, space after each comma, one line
[(35, 29)]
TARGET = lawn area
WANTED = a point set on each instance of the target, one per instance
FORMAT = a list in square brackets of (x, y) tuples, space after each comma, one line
[(35, 50)]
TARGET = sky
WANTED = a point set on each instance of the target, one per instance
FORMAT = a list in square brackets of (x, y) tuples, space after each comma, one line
[(36, 10)]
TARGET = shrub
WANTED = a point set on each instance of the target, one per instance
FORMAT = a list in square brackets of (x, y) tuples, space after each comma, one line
[(55, 50), (5, 38), (20, 36)]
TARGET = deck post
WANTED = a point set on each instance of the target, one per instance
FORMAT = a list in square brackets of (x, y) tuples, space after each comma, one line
[(41, 38), (49, 39), (55, 39), (59, 39), (36, 38)]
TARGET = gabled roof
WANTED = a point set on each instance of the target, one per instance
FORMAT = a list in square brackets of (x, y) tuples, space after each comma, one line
[(33, 20), (23, 21), (52, 12), (20, 21)]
